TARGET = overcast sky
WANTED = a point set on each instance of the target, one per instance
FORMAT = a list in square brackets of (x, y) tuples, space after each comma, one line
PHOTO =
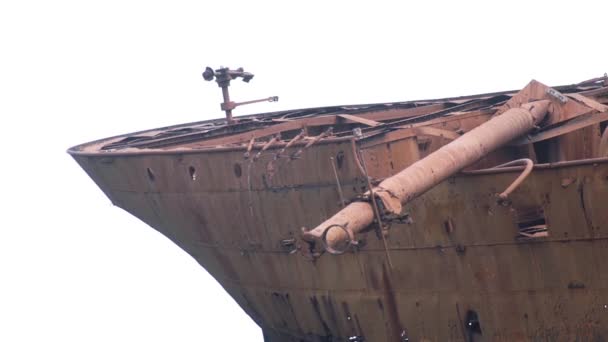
[(75, 268)]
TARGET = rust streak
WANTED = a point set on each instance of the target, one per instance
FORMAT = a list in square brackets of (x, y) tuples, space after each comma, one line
[(581, 192), (394, 321)]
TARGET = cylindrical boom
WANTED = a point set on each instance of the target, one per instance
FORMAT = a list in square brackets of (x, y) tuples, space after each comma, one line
[(426, 173)]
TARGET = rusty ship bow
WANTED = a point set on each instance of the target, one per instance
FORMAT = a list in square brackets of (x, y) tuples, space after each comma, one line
[(477, 218)]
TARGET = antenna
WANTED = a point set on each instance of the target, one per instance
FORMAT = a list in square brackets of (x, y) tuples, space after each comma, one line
[(223, 76)]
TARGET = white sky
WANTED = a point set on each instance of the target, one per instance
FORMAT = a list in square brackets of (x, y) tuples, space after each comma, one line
[(74, 268)]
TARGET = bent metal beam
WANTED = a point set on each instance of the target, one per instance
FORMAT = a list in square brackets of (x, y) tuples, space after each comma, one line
[(426, 173)]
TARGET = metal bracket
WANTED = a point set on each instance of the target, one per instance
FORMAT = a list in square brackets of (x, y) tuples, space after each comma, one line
[(557, 95), (223, 76)]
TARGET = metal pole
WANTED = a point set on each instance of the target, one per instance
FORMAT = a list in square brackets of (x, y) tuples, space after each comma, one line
[(333, 165), (226, 96)]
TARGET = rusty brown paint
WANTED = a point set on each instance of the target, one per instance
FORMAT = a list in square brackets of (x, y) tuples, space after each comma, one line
[(550, 288), (313, 280)]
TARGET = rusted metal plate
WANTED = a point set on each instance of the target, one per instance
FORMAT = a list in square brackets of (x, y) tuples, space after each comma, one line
[(514, 286), (357, 119)]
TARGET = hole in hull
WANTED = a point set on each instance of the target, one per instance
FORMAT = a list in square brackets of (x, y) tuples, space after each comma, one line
[(531, 223), (192, 172), (237, 170), (340, 159), (472, 324)]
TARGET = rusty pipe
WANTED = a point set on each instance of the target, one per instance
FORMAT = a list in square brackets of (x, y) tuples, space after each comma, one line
[(249, 147), (313, 141), (353, 145), (426, 173), (529, 165), (265, 147)]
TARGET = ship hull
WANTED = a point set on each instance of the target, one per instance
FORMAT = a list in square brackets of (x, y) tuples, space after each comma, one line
[(459, 271)]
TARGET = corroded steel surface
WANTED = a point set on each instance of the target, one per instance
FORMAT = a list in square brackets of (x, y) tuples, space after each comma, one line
[(463, 266), (520, 289)]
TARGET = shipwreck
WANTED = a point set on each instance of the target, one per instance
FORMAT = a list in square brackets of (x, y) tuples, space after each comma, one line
[(473, 218)]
